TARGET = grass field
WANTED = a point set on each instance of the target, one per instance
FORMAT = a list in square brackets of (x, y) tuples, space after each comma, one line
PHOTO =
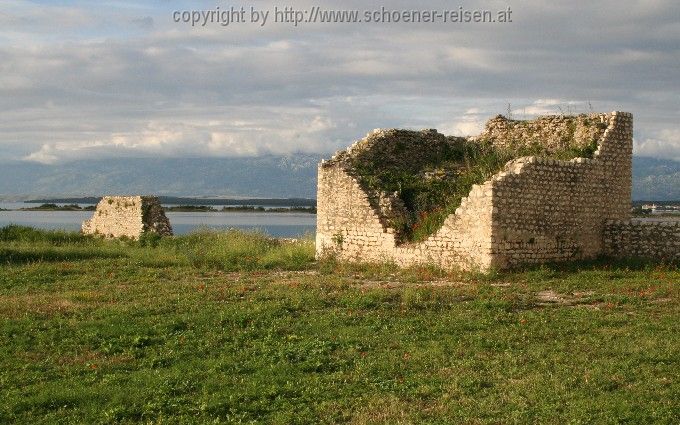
[(238, 328)]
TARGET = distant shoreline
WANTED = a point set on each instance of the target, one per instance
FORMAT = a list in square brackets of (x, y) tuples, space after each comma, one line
[(52, 207), (240, 208), (175, 200), (55, 207)]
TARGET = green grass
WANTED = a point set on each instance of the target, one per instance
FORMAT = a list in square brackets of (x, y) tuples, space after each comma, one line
[(185, 330), (456, 163), (232, 250)]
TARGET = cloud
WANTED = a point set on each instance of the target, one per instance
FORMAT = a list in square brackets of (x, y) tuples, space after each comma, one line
[(665, 145), (551, 107), (143, 23), (124, 80), (470, 124), (220, 138)]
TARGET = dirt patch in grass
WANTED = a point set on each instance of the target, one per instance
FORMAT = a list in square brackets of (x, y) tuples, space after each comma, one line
[(14, 306), (552, 298), (396, 284)]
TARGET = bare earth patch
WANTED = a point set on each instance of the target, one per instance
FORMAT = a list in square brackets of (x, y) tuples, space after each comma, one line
[(13, 306), (550, 297)]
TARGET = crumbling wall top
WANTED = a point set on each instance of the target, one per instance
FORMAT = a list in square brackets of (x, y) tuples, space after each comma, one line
[(551, 133)]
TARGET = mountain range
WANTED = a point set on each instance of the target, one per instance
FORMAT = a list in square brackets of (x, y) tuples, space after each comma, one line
[(264, 176), (656, 179), (291, 176)]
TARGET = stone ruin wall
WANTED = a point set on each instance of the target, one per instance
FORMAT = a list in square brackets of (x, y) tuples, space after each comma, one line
[(643, 239), (536, 210), (548, 210), (553, 131), (127, 216), (350, 227)]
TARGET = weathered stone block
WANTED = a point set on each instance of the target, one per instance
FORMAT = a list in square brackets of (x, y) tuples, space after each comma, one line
[(127, 216)]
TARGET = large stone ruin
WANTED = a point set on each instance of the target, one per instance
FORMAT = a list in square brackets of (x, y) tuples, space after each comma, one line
[(534, 209)]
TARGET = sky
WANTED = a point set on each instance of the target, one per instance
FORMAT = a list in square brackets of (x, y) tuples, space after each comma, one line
[(83, 79)]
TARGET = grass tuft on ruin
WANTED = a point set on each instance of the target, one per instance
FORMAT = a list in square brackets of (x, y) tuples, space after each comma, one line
[(431, 173)]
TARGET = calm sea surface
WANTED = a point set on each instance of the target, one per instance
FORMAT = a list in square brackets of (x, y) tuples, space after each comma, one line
[(275, 224), (288, 225)]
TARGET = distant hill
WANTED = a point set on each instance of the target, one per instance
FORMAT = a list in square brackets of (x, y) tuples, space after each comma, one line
[(656, 179), (261, 177), (174, 200), (255, 177)]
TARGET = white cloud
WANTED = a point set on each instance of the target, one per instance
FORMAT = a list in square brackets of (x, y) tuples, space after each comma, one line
[(472, 58), (470, 124), (666, 145), (222, 138), (550, 107)]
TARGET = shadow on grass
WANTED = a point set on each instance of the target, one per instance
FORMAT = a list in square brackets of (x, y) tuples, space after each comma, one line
[(425, 272), (18, 256), (601, 264)]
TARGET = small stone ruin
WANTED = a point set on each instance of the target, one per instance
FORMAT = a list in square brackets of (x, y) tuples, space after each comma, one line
[(127, 216)]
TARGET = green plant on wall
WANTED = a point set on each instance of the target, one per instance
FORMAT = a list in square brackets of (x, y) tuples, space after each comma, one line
[(431, 173), (338, 239)]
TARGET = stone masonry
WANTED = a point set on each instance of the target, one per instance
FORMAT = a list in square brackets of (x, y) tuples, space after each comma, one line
[(643, 239), (536, 210), (127, 216), (552, 131)]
